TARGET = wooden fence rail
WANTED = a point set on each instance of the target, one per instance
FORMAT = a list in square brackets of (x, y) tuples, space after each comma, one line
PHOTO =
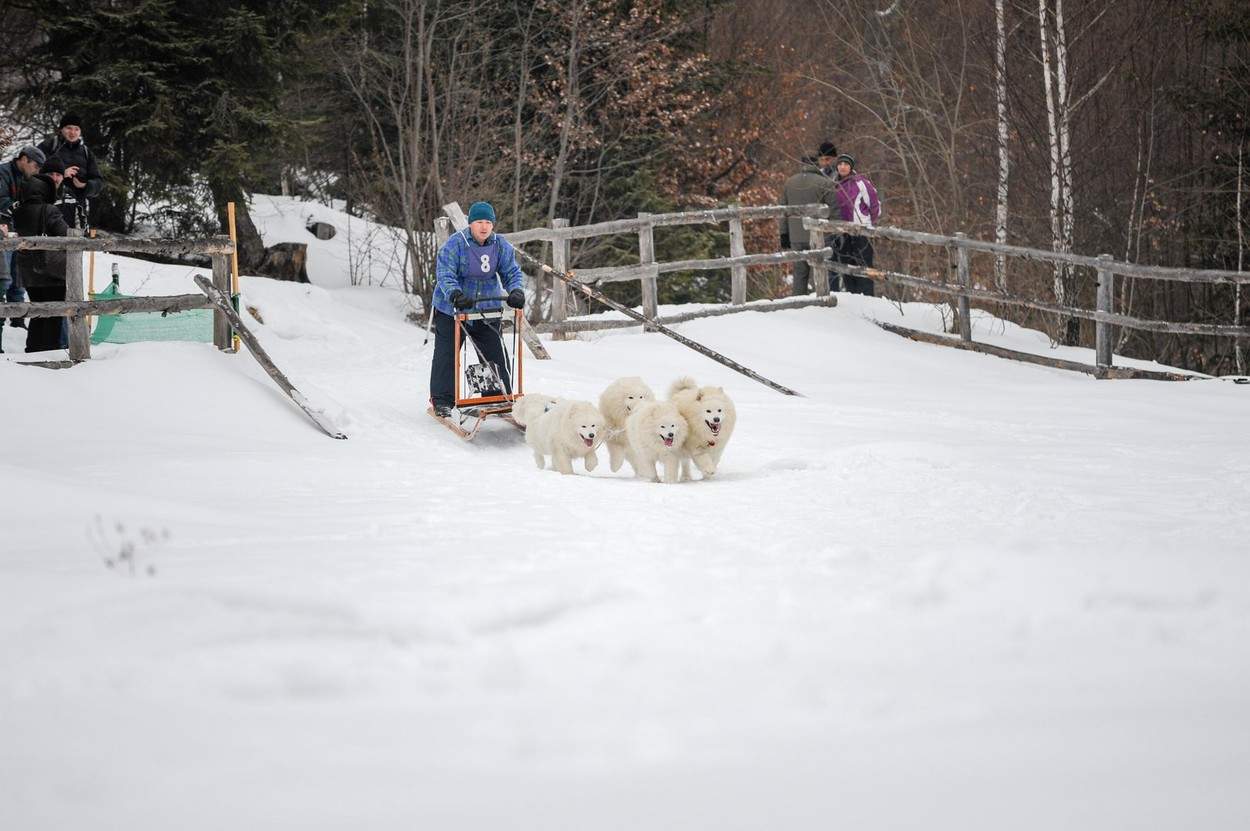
[(77, 309), (648, 270), (1105, 267)]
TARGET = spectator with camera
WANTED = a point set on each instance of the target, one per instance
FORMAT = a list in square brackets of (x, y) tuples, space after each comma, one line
[(43, 272), (12, 173), (83, 181)]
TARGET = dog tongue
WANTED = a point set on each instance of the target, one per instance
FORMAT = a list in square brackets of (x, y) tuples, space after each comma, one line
[(668, 441), (589, 442)]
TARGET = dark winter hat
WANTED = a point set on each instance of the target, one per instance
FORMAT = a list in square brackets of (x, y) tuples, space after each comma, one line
[(828, 148), (848, 158), (33, 153), (70, 118), (481, 210), (53, 165)]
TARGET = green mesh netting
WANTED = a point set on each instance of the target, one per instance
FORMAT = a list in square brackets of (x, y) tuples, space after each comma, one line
[(193, 324)]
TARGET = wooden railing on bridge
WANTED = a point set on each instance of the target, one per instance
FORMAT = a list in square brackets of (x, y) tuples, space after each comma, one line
[(647, 271), (1105, 267), (77, 308)]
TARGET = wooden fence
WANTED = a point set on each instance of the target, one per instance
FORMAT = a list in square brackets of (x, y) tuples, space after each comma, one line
[(77, 309), (1105, 267), (648, 270)]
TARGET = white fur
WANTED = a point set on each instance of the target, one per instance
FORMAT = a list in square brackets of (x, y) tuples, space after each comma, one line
[(710, 418), (656, 431), (531, 405), (616, 403), (570, 430)]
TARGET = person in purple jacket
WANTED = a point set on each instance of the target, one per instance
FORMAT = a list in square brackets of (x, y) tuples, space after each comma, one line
[(857, 201)]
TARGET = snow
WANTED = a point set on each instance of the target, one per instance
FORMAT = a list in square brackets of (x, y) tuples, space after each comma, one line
[(941, 590)]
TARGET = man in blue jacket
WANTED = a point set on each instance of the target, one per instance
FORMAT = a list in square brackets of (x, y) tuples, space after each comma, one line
[(474, 263)]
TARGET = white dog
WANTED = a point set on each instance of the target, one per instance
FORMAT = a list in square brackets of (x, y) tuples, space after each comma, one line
[(570, 430), (710, 417), (531, 405), (616, 403), (656, 432)]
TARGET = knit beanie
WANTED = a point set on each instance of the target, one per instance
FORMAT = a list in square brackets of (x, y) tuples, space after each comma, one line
[(848, 158), (70, 118), (33, 153), (481, 210), (828, 148), (53, 165)]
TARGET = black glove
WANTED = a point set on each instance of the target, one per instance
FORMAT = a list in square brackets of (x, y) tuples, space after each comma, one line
[(785, 240), (460, 301), (516, 298)]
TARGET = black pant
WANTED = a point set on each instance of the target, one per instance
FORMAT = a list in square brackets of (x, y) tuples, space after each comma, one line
[(485, 333), (44, 333), (853, 250)]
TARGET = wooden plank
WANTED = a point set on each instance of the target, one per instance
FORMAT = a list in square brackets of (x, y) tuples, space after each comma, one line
[(1103, 335), (1151, 272), (221, 300), (590, 292), (668, 320), (964, 277), (79, 334), (737, 272), (819, 262), (169, 247), (1212, 329), (1122, 373), (560, 260), (621, 273), (646, 257), (221, 279), (164, 304), (712, 216)]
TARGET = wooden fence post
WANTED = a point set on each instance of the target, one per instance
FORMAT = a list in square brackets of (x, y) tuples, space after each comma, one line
[(820, 271), (560, 249), (738, 273), (79, 333), (221, 280), (646, 255), (965, 280), (1106, 303)]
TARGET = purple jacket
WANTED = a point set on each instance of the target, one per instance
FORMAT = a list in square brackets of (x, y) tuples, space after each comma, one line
[(857, 199)]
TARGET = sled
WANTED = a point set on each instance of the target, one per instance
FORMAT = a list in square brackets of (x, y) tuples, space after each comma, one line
[(480, 392)]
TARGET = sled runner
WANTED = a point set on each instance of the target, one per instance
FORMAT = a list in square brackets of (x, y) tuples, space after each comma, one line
[(480, 388)]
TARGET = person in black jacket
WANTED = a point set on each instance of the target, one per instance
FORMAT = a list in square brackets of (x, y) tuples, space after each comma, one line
[(82, 177), (12, 173), (43, 272)]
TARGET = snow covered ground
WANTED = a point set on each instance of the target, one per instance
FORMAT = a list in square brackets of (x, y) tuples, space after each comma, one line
[(940, 591)]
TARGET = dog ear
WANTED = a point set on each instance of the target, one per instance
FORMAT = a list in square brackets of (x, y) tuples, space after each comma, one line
[(699, 396)]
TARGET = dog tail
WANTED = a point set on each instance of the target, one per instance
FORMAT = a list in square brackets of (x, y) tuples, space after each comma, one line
[(681, 384)]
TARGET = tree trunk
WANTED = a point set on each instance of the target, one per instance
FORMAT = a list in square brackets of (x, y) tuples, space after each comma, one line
[(1004, 166), (251, 249)]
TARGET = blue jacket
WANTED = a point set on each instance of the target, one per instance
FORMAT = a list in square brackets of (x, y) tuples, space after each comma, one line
[(453, 273)]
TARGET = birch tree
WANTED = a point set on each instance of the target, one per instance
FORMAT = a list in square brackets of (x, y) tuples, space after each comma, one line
[(1004, 158)]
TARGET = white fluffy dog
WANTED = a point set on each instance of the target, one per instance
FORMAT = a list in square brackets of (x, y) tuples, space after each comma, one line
[(531, 405), (570, 430), (710, 417), (656, 431), (616, 403)]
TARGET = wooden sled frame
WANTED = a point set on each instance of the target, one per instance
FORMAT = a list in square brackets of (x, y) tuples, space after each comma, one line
[(480, 408)]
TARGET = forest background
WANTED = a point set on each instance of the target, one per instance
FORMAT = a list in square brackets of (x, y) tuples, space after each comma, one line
[(1116, 126)]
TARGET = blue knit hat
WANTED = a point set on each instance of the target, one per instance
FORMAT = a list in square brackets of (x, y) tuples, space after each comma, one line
[(481, 210)]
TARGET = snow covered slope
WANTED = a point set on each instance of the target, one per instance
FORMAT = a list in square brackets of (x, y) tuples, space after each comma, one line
[(941, 591)]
